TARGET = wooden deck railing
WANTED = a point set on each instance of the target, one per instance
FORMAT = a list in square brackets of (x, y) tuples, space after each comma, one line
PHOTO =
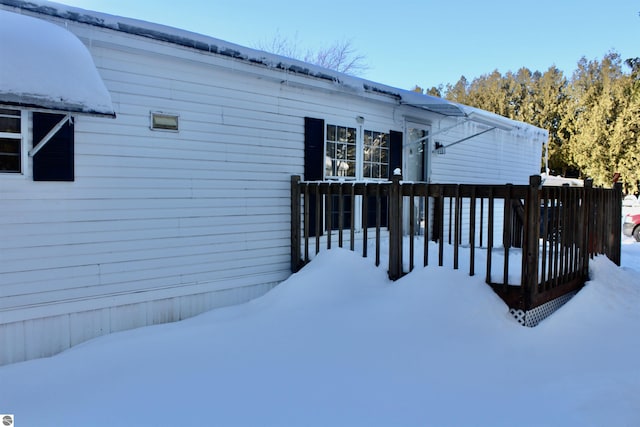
[(554, 230)]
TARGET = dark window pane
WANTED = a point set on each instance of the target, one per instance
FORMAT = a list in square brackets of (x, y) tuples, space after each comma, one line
[(384, 156), (351, 135), (351, 152), (9, 124), (384, 138), (342, 134), (9, 146), (9, 163), (375, 139), (375, 155), (331, 133), (351, 169), (331, 149), (9, 155)]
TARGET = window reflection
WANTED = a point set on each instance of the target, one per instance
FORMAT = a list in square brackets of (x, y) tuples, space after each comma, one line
[(340, 155), (376, 154)]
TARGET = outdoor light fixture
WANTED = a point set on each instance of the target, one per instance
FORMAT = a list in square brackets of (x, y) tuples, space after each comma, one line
[(439, 148)]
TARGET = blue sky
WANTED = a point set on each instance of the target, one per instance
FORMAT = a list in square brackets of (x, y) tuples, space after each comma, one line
[(408, 43)]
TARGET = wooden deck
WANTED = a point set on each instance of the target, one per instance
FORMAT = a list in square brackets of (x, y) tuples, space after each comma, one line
[(554, 230)]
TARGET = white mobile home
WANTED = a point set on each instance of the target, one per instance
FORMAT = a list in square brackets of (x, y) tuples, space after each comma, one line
[(145, 171)]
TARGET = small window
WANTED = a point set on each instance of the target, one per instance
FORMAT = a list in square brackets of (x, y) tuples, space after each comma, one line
[(164, 121), (10, 141)]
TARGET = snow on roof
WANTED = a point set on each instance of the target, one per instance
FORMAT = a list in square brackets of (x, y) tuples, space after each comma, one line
[(219, 47), (260, 58), (46, 66)]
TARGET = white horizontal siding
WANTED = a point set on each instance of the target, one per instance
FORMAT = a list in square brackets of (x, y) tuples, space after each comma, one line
[(153, 210), (496, 157), (162, 225), (197, 210)]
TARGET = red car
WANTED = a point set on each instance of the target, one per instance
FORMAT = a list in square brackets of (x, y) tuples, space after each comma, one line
[(631, 226)]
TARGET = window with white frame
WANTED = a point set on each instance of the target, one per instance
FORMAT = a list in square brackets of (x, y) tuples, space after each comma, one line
[(350, 154), (341, 149), (11, 137), (375, 155)]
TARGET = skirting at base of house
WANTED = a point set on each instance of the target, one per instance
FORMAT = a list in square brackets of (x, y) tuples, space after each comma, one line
[(47, 336), (532, 317)]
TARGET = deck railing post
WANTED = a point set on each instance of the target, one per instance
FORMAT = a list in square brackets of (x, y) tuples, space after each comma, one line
[(587, 233), (615, 234), (395, 227), (531, 242), (295, 223), (507, 232)]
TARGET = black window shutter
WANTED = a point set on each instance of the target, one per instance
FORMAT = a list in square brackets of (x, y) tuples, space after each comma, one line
[(395, 151), (54, 162), (313, 163), (313, 149)]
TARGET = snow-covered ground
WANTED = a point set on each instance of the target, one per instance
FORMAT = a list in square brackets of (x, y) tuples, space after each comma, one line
[(338, 344)]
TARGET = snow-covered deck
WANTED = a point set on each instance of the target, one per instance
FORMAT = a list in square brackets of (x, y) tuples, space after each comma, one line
[(558, 228)]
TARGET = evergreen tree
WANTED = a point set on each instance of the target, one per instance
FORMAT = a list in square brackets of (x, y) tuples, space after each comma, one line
[(593, 118), (521, 94), (490, 92), (532, 97), (458, 92), (550, 104), (626, 134), (435, 91), (626, 151), (596, 102)]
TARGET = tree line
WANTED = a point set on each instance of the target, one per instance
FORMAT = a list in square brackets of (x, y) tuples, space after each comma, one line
[(593, 117)]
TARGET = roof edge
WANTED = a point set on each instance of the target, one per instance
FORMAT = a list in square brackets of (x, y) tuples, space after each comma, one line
[(36, 103), (216, 46)]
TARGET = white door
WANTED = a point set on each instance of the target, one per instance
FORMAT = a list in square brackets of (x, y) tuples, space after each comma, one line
[(417, 153)]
